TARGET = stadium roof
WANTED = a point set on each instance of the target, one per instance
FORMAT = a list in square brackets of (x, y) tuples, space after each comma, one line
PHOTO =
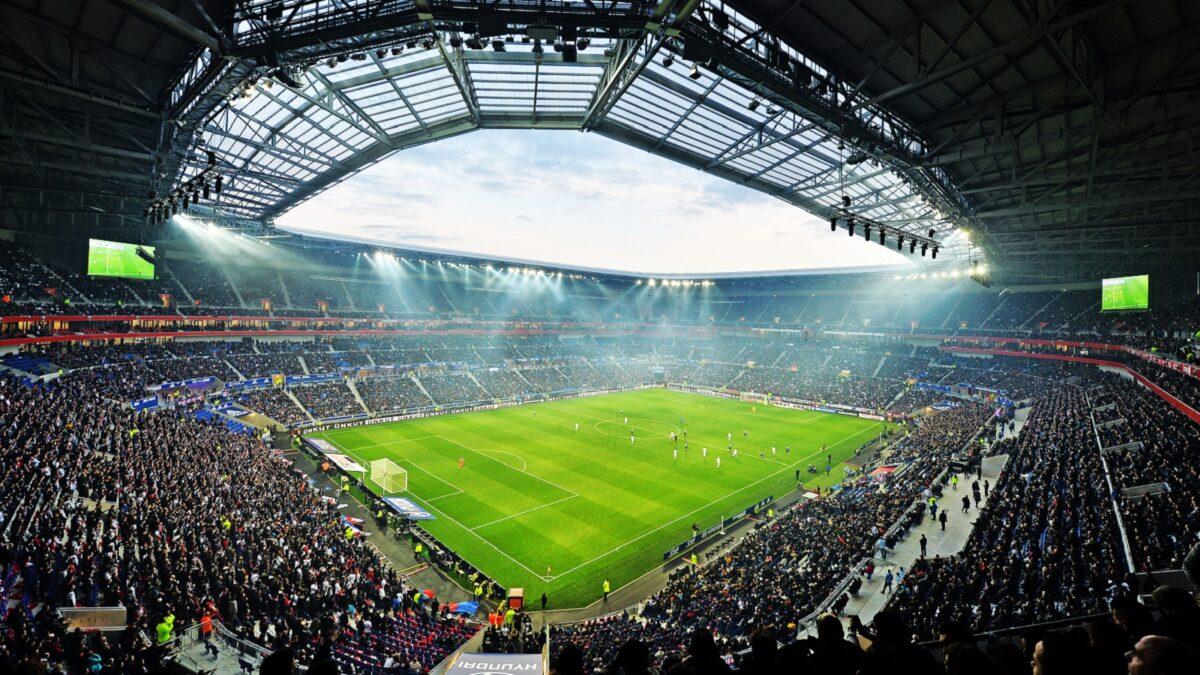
[(1060, 134)]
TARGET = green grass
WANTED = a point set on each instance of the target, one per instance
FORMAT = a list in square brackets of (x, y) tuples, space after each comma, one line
[(588, 504)]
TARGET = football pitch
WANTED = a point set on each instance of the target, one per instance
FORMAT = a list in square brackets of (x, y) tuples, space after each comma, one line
[(548, 508)]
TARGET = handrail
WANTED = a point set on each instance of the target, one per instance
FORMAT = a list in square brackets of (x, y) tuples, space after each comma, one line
[(1111, 489)]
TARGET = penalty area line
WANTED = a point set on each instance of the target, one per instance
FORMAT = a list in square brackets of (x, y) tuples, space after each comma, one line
[(430, 506), (526, 511)]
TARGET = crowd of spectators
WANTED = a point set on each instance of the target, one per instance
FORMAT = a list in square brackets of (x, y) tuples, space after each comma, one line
[(1131, 640), (265, 364), (503, 383), (1046, 544), (385, 395), (274, 403), (1162, 525), (332, 362), (327, 399), (177, 519), (200, 285), (452, 387)]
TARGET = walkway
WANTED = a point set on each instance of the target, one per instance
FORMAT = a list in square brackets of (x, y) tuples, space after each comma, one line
[(958, 528)]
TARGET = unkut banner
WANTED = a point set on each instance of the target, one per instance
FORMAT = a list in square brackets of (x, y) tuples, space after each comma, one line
[(497, 664)]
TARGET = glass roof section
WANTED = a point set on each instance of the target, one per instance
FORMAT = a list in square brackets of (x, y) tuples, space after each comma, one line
[(286, 145)]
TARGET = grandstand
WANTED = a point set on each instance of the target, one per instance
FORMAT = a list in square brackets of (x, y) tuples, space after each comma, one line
[(314, 359)]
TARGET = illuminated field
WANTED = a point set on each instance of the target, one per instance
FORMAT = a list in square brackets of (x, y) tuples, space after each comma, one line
[(542, 506)]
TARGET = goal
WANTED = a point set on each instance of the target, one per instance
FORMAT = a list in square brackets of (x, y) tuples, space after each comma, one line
[(388, 476)]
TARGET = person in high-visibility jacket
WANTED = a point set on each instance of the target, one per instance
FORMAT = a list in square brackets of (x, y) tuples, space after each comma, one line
[(607, 588), (510, 616), (163, 629), (695, 560)]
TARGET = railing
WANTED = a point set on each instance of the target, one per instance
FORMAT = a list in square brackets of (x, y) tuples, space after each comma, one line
[(1109, 482), (189, 638)]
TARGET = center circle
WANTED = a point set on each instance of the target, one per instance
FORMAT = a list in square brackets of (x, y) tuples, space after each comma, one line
[(642, 426)]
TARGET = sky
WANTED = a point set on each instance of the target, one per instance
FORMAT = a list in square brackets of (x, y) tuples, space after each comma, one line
[(575, 200)]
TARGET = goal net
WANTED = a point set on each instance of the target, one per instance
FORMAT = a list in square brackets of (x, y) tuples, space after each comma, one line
[(388, 476)]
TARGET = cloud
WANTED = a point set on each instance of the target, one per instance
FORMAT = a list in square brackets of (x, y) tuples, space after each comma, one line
[(579, 200)]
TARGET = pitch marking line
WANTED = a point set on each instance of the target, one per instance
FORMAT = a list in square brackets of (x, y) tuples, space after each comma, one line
[(574, 494), (480, 453), (434, 476), (380, 445), (524, 464), (653, 433), (482, 538), (709, 505), (526, 511), (450, 518), (416, 466)]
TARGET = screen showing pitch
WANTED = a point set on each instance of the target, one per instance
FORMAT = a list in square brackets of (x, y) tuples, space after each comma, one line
[(118, 259), (1125, 293)]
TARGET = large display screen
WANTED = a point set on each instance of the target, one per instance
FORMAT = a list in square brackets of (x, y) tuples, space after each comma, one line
[(1125, 293), (117, 259)]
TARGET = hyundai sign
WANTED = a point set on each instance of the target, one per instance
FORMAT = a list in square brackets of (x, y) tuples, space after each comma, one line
[(497, 664)]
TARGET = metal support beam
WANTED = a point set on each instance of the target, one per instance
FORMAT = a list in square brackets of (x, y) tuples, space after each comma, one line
[(158, 15)]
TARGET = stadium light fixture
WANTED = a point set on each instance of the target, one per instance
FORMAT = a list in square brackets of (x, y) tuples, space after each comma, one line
[(694, 73), (833, 224)]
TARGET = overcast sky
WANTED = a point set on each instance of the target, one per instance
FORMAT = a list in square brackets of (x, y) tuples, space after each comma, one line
[(575, 199)]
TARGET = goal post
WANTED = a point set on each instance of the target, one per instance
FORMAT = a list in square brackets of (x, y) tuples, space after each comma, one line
[(388, 476)]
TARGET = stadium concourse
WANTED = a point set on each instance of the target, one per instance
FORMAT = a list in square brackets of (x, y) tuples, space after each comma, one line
[(314, 358)]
